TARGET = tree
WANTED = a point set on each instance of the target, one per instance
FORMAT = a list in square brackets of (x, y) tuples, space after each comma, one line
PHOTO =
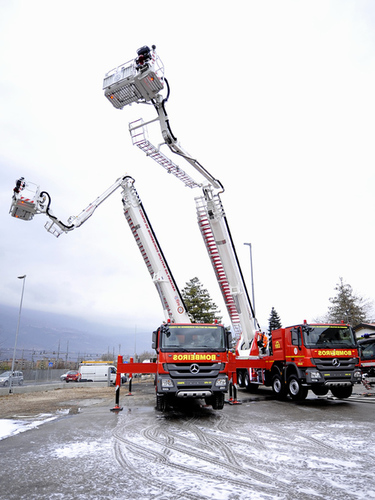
[(348, 307), (146, 355), (199, 304), (274, 321), (107, 357)]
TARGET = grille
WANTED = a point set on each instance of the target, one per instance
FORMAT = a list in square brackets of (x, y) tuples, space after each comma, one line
[(326, 363), (183, 369)]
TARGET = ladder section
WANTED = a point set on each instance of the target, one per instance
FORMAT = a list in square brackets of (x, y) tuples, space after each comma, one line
[(213, 252), (138, 135), (157, 266)]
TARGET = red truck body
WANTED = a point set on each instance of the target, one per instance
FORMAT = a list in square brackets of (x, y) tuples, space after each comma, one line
[(317, 357)]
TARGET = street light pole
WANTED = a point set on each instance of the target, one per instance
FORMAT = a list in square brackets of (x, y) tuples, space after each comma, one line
[(252, 279), (18, 327)]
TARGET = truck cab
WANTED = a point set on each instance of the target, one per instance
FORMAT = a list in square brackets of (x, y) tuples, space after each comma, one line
[(192, 361)]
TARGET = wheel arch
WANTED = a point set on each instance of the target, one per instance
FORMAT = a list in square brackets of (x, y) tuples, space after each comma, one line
[(292, 369), (277, 369)]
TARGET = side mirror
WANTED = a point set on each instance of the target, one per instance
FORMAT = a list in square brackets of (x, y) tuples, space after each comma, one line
[(154, 339), (230, 339)]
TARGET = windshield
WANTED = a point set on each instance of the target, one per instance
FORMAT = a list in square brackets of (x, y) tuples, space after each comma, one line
[(5, 374), (328, 336), (188, 337)]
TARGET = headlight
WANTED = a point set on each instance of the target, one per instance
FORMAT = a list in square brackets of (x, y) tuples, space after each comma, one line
[(166, 382), (221, 382), (315, 375)]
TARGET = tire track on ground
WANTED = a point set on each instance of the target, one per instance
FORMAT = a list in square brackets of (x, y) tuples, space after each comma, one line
[(243, 477)]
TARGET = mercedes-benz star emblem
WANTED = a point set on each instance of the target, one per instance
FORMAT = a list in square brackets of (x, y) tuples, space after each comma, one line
[(194, 368), (336, 362)]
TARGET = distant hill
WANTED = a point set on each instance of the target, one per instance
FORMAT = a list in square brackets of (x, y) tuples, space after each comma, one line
[(44, 333)]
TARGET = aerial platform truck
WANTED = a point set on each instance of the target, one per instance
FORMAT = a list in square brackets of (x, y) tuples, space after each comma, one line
[(292, 360), (192, 359)]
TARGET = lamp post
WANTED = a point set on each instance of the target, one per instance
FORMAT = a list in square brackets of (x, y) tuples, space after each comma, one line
[(18, 327), (252, 279)]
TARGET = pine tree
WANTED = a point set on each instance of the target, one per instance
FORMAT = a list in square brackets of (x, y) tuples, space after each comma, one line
[(199, 304), (274, 321), (347, 307)]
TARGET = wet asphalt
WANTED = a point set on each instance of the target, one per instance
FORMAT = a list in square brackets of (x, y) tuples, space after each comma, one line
[(262, 449)]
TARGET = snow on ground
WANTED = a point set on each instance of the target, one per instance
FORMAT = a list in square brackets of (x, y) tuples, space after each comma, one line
[(221, 460), (261, 450), (9, 427)]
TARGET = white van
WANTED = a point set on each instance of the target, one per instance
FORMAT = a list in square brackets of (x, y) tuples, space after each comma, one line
[(98, 373)]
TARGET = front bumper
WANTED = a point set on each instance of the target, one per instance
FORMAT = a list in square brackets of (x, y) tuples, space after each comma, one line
[(332, 378), (191, 388)]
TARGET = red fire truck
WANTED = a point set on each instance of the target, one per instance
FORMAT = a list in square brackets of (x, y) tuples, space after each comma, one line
[(319, 357)]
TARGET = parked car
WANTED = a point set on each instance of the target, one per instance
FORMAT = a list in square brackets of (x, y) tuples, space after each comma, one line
[(73, 376), (367, 349), (17, 378)]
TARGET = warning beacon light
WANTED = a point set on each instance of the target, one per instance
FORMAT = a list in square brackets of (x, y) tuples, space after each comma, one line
[(139, 80)]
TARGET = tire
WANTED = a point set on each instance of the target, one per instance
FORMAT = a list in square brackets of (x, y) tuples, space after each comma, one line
[(296, 390), (320, 390), (217, 401), (160, 403), (248, 385), (278, 387), (6, 383), (67, 381), (20, 382), (241, 379), (342, 392), (246, 380)]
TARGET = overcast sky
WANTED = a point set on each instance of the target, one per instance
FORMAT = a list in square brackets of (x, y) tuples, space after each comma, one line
[(275, 99)]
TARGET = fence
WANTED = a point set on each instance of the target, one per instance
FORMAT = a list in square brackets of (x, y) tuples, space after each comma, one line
[(48, 375)]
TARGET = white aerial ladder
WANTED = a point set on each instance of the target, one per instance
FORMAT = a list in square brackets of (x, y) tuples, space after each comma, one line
[(29, 200), (141, 81)]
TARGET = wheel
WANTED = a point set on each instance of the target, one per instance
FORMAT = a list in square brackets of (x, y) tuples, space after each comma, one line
[(240, 379), (6, 383), (296, 390), (246, 381), (20, 382), (278, 387), (248, 385), (320, 390), (217, 401), (160, 402), (67, 381), (342, 392)]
